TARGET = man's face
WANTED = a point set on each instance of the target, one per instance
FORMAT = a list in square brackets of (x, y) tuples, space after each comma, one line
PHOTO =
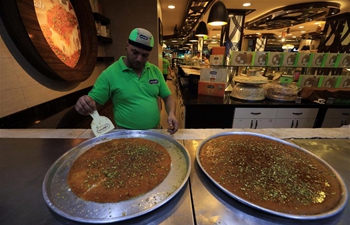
[(136, 57)]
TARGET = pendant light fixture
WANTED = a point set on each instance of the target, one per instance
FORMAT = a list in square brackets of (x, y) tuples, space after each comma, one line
[(218, 14), (202, 29), (193, 38)]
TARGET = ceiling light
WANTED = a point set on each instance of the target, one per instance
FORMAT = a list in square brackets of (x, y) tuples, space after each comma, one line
[(287, 46), (218, 14), (171, 6), (246, 4), (301, 27), (193, 38), (202, 29)]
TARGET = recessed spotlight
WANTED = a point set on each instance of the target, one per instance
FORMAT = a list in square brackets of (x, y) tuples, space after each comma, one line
[(301, 27), (303, 31), (246, 4), (171, 6)]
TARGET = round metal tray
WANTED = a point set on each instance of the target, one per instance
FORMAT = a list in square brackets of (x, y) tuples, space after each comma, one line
[(344, 195), (61, 200)]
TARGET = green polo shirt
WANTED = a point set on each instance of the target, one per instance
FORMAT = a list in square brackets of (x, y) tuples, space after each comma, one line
[(166, 65), (135, 104)]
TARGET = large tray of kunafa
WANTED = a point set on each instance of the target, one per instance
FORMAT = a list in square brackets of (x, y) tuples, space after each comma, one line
[(272, 175), (117, 176)]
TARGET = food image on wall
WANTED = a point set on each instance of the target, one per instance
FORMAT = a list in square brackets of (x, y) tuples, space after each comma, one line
[(60, 28)]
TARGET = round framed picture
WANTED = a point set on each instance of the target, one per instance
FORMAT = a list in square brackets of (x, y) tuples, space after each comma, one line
[(58, 37)]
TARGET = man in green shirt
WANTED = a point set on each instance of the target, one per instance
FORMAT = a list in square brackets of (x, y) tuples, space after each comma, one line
[(166, 68), (133, 85)]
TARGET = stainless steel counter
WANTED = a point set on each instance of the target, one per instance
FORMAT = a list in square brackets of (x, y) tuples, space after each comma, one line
[(213, 206), (23, 165), (26, 155)]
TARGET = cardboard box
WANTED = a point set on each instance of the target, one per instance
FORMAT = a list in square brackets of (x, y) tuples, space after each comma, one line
[(286, 79), (214, 75), (308, 81), (343, 60), (330, 60), (317, 59), (289, 59), (217, 60), (260, 59), (220, 50), (303, 59), (211, 88), (242, 58), (327, 81), (275, 58), (343, 82)]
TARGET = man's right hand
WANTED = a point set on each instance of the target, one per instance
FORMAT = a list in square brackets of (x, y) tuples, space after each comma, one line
[(85, 105)]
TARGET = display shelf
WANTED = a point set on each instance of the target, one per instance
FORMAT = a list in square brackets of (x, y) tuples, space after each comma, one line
[(108, 59), (105, 40), (103, 20)]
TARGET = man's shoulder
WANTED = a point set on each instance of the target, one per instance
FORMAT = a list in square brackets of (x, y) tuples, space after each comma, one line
[(150, 65), (117, 65)]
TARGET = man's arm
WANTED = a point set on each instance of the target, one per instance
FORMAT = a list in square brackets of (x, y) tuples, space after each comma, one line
[(170, 108)]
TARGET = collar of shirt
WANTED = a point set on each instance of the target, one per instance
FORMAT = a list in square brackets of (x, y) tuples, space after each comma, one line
[(125, 68)]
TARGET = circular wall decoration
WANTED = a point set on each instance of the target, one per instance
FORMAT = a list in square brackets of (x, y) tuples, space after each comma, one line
[(58, 37)]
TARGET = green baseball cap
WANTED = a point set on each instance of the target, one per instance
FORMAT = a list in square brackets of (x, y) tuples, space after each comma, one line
[(141, 38)]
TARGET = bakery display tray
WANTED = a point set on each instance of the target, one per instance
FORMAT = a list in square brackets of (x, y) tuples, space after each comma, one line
[(340, 206), (64, 202)]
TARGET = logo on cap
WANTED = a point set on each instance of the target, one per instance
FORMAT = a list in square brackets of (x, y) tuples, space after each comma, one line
[(143, 37)]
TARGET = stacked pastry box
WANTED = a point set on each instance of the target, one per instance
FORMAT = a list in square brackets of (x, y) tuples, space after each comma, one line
[(217, 57), (212, 81), (299, 59), (326, 60)]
